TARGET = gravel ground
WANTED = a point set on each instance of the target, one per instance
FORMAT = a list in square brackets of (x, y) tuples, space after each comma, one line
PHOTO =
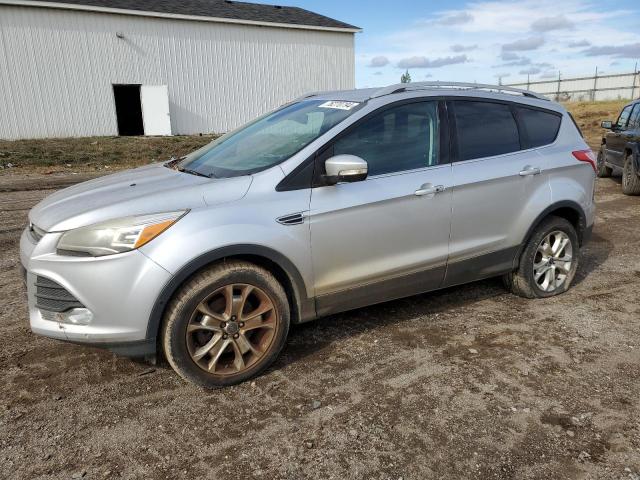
[(469, 382)]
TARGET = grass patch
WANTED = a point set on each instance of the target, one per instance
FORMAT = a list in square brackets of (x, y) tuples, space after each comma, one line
[(588, 116), (93, 153)]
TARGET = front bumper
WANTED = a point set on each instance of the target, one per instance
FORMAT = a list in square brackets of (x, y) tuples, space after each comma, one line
[(119, 290)]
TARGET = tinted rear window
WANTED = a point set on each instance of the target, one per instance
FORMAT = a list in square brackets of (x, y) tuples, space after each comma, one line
[(485, 129), (541, 128)]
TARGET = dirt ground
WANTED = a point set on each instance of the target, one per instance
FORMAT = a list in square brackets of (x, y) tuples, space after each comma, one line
[(469, 382)]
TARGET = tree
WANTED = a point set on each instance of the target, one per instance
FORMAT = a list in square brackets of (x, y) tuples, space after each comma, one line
[(406, 77)]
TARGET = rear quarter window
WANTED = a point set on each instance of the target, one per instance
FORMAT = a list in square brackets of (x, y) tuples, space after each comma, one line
[(540, 127)]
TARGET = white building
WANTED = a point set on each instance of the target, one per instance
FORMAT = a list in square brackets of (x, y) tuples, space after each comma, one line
[(158, 67)]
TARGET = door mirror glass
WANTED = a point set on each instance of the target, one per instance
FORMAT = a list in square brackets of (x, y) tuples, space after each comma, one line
[(345, 168), (608, 124)]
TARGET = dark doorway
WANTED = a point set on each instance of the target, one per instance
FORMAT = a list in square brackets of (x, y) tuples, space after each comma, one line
[(128, 109)]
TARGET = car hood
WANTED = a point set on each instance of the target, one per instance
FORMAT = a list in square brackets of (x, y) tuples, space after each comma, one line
[(150, 189)]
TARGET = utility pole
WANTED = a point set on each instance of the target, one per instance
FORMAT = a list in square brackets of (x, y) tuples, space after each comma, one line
[(558, 91), (633, 85), (528, 82), (595, 86)]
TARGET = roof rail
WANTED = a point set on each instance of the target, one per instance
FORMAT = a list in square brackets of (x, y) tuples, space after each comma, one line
[(406, 87)]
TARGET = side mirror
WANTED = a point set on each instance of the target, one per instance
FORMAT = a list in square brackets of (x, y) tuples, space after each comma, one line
[(345, 168), (607, 124)]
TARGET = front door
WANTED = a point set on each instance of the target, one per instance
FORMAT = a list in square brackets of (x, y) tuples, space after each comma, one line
[(616, 139), (387, 236)]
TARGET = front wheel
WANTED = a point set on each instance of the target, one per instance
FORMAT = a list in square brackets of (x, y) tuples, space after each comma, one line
[(226, 325), (549, 261), (602, 170), (630, 177)]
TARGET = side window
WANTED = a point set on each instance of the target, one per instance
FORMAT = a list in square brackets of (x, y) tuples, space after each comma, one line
[(400, 138), (634, 120), (624, 117), (541, 128), (485, 129)]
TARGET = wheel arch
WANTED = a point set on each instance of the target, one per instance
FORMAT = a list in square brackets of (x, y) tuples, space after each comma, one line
[(567, 209), (302, 308), (632, 149)]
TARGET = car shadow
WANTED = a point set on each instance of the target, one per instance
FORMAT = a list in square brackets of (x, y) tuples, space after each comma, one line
[(310, 338), (307, 339), (594, 254)]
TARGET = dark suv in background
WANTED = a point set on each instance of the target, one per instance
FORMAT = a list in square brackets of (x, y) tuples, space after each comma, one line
[(621, 148)]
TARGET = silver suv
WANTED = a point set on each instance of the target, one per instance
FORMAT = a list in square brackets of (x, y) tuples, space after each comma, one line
[(332, 202)]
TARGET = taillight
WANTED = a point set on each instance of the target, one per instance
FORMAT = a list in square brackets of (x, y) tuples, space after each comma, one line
[(586, 156)]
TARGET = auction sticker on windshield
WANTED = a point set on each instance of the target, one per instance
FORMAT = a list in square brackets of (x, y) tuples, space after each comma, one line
[(338, 105)]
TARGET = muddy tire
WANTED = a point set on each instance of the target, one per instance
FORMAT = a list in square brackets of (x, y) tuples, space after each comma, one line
[(630, 177), (601, 168), (549, 261), (226, 324)]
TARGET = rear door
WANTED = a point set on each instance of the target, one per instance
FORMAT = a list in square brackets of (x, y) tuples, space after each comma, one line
[(616, 137), (494, 178), (387, 236)]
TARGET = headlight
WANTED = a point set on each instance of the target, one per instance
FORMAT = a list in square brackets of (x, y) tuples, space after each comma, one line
[(117, 236)]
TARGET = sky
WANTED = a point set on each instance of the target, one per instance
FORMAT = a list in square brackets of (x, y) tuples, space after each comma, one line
[(486, 41)]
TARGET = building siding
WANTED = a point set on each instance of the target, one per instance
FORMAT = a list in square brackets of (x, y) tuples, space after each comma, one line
[(57, 69)]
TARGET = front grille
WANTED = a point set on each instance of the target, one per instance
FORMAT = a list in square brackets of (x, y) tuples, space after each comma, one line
[(54, 297)]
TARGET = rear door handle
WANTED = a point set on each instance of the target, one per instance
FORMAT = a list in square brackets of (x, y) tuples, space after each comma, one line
[(529, 170), (429, 189)]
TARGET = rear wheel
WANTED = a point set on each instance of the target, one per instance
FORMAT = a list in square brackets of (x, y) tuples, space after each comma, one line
[(226, 325), (549, 261), (602, 170), (630, 178)]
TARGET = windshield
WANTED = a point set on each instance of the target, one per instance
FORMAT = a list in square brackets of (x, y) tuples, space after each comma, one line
[(269, 140)]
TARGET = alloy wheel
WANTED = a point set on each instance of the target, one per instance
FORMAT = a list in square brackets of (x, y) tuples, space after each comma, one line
[(553, 261), (231, 329)]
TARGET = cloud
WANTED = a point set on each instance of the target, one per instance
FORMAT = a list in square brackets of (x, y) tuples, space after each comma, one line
[(463, 48), (423, 62), (457, 18), (524, 44), (502, 75), (378, 73), (579, 43), (513, 60), (547, 24), (631, 50), (509, 56), (379, 61), (549, 75), (530, 71)]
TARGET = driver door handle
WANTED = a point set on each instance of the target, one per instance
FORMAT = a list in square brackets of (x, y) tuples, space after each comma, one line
[(529, 170), (429, 189)]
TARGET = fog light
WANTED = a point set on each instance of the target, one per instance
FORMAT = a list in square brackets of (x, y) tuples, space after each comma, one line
[(77, 316)]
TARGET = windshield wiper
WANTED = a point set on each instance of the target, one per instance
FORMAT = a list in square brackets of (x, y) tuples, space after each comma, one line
[(195, 172)]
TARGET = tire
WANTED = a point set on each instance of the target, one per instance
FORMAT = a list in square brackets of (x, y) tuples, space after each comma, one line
[(630, 177), (522, 282), (212, 317), (602, 170)]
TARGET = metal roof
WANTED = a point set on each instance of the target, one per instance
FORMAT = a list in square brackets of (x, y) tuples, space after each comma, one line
[(238, 12)]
